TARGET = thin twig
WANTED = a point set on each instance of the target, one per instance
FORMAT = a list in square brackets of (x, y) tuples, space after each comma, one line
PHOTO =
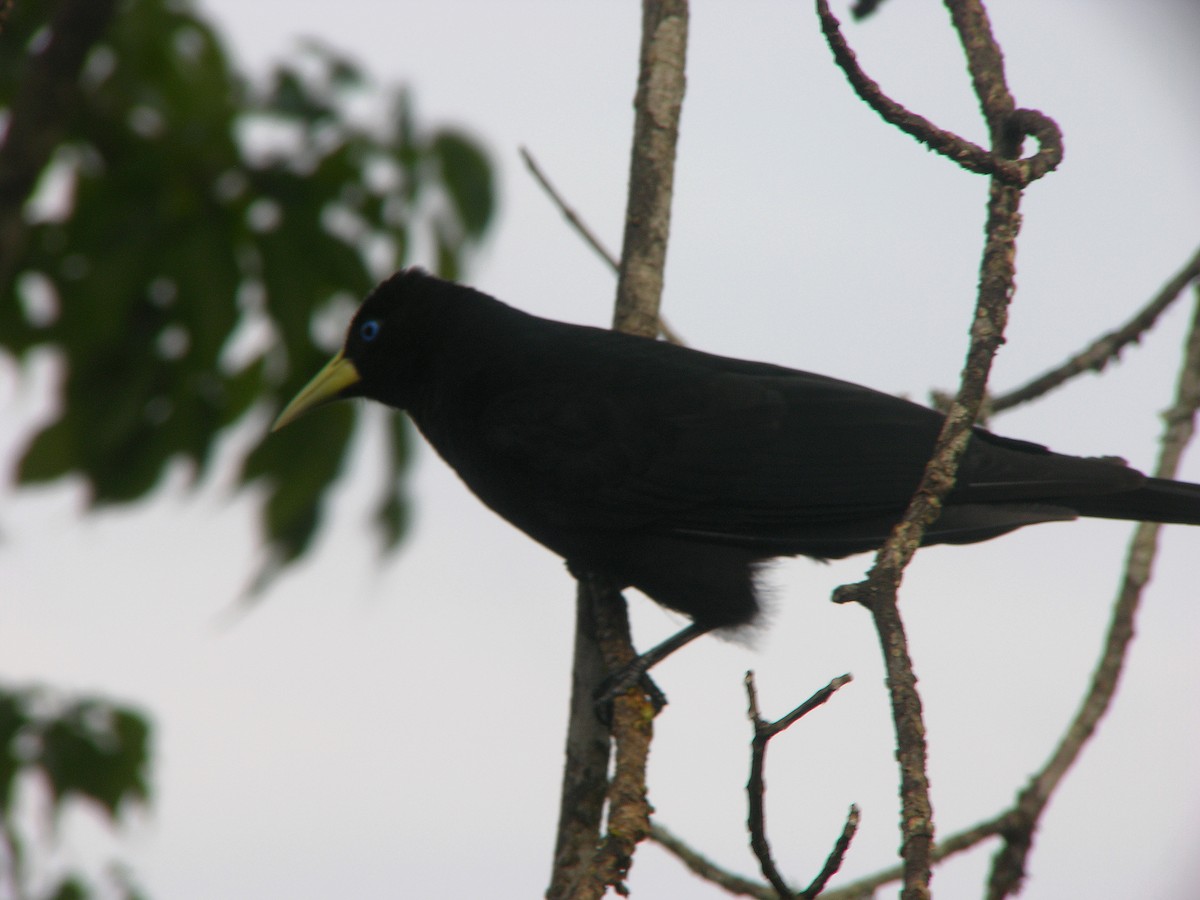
[(589, 236), (756, 785), (956, 843), (1008, 867), (568, 212), (770, 729), (1108, 347), (836, 857), (705, 868), (756, 817)]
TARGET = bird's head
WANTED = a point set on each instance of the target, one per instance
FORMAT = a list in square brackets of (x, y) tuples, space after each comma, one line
[(376, 357)]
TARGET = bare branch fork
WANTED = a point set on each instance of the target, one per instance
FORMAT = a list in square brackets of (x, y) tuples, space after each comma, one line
[(756, 792), (1017, 824)]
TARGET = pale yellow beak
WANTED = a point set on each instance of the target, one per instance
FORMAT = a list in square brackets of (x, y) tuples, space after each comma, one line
[(339, 373)]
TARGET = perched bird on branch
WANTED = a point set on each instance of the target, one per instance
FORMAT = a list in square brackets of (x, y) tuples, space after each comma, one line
[(679, 472)]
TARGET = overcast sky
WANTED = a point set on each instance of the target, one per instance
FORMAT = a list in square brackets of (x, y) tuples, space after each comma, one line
[(396, 731)]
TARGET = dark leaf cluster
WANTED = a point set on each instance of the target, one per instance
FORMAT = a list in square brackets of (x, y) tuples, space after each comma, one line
[(194, 223), (76, 749)]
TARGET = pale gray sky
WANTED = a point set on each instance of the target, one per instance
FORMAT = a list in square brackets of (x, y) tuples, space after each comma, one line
[(397, 731)]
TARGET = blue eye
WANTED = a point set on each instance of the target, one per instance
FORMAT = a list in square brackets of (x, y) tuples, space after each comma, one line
[(369, 330)]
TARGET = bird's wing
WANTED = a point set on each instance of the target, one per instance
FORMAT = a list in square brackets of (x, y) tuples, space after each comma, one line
[(748, 452), (694, 446)]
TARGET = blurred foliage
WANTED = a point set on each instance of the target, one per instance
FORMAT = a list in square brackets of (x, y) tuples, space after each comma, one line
[(191, 243), (80, 749)]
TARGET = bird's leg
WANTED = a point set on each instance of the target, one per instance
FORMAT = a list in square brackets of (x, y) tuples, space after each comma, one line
[(636, 670)]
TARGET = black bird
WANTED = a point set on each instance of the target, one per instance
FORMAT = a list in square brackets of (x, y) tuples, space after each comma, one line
[(678, 472)]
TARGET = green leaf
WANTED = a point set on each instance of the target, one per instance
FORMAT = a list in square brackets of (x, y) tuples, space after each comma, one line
[(298, 466), (468, 179), (96, 751), (70, 888), (13, 722), (50, 455)]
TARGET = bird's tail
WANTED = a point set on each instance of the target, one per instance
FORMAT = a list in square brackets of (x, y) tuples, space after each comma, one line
[(1158, 500)]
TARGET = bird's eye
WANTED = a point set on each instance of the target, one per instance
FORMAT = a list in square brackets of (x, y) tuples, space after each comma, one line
[(369, 330)]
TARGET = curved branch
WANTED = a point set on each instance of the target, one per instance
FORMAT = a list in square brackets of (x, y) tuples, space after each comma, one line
[(1018, 124)]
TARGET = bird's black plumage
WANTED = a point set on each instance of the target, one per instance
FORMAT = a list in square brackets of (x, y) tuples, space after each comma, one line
[(677, 471)]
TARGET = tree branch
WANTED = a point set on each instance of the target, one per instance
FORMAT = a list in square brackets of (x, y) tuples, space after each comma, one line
[(585, 865), (632, 730), (585, 770), (704, 868), (862, 889), (1106, 348), (1008, 866), (659, 101)]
